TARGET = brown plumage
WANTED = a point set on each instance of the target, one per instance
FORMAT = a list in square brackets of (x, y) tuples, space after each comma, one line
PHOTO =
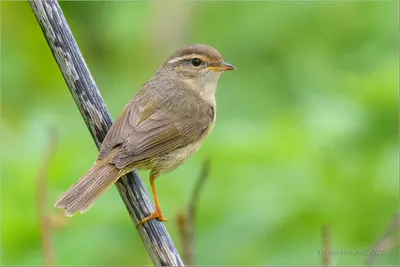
[(160, 127)]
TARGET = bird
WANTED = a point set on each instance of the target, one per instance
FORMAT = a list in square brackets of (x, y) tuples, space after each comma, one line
[(163, 124)]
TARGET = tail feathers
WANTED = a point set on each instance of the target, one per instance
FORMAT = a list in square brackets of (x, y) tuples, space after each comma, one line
[(82, 195)]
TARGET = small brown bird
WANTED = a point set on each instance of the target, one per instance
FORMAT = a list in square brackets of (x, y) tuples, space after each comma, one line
[(159, 129)]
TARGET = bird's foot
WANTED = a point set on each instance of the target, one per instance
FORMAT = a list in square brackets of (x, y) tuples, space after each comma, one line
[(155, 215)]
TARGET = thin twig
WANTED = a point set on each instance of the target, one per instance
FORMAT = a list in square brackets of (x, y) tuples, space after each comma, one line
[(44, 218), (327, 259), (385, 243), (187, 250), (197, 190), (83, 89), (186, 223)]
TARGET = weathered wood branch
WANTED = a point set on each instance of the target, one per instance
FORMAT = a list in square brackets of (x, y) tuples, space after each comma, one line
[(91, 105)]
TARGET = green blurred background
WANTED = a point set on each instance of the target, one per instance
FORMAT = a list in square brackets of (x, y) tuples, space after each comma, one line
[(306, 135)]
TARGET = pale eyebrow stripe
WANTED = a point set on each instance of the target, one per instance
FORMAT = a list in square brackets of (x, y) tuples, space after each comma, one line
[(185, 57)]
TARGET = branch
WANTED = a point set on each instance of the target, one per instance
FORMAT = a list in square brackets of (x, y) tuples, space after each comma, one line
[(197, 189), (44, 219), (186, 223), (327, 259), (65, 50), (385, 243)]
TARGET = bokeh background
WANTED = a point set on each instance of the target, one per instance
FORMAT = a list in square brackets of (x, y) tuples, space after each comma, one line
[(306, 134)]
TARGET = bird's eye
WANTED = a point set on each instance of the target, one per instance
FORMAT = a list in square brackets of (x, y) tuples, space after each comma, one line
[(196, 62)]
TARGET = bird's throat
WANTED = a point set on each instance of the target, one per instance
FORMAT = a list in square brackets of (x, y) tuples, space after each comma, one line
[(208, 92), (205, 87)]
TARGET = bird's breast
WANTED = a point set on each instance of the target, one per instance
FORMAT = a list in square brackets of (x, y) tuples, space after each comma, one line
[(172, 160)]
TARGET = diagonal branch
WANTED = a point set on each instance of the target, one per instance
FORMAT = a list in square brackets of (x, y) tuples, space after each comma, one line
[(186, 222), (386, 242), (93, 110), (44, 218)]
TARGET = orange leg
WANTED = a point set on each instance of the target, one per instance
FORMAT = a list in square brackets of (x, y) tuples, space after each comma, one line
[(158, 213)]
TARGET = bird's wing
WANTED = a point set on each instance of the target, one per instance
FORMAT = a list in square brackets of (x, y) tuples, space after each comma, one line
[(142, 133), (136, 111), (121, 129)]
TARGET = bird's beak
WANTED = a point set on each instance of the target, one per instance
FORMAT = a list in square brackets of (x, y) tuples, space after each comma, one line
[(223, 66)]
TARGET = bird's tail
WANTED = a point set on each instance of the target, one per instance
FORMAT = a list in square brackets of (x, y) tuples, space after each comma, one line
[(82, 195)]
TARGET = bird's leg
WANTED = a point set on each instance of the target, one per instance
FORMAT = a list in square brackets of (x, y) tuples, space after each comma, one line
[(158, 213)]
